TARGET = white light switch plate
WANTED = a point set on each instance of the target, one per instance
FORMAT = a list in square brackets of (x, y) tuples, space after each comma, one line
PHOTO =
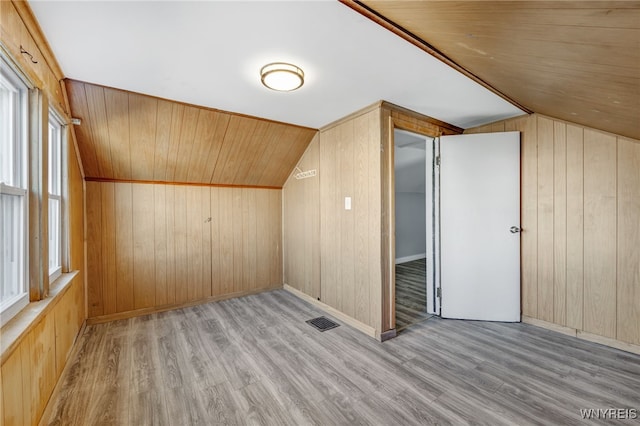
[(347, 203)]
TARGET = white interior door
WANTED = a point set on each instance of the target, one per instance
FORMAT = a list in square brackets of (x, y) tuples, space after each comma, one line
[(480, 224)]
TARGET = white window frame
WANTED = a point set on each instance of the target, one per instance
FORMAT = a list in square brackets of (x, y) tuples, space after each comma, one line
[(56, 166), (18, 187)]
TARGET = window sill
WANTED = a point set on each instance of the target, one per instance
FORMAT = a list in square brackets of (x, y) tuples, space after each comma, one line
[(19, 326)]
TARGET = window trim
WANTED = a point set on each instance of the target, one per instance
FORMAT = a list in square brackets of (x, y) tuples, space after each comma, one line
[(56, 120), (17, 79)]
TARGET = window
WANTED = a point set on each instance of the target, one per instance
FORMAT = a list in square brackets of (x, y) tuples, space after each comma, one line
[(13, 193), (55, 196)]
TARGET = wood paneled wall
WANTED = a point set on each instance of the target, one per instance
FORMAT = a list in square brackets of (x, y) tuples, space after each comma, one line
[(128, 136), (154, 246), (350, 241), (32, 365), (351, 248), (581, 227), (19, 28), (32, 369), (333, 254), (37, 343), (301, 216)]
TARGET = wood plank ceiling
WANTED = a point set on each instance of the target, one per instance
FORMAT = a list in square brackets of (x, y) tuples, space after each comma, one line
[(126, 136), (574, 60)]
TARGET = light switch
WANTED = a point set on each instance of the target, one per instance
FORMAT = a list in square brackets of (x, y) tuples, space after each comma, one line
[(347, 203)]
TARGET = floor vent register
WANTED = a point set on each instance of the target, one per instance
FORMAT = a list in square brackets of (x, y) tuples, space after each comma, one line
[(322, 323)]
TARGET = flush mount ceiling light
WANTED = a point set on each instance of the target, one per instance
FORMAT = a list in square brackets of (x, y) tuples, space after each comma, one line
[(282, 77)]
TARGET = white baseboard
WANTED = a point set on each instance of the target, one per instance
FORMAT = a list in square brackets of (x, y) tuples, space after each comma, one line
[(410, 258)]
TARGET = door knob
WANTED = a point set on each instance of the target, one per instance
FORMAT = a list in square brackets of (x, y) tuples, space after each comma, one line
[(515, 229)]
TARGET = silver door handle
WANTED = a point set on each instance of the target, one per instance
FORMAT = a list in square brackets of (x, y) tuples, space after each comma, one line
[(515, 229)]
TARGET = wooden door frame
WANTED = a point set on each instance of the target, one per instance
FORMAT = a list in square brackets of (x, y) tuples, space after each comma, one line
[(394, 117)]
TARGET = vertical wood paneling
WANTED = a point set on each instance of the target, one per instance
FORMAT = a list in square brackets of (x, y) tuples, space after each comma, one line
[(78, 103), (12, 395), (99, 129), (559, 223), (126, 135), (42, 359), (94, 249), (195, 221), (301, 216), (600, 233), (275, 236), (226, 240), (205, 200), (329, 251), (350, 239), (144, 286), (347, 238), (362, 134), (596, 187), (30, 404), (227, 161), (249, 238), (173, 160), (117, 109), (529, 214), (76, 211), (201, 144), (163, 137), (215, 242), (575, 227), (124, 245), (143, 112), (188, 243), (238, 273), (108, 253), (545, 219), (263, 255), (375, 219), (628, 233), (252, 173), (185, 137), (180, 242), (29, 374), (160, 240), (171, 243), (216, 139)]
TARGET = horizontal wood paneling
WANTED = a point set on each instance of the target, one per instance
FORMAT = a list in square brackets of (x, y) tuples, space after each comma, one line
[(129, 136), (555, 57), (580, 239), (178, 244)]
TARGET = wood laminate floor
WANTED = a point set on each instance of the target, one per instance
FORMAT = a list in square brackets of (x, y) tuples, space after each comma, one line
[(411, 293), (254, 360)]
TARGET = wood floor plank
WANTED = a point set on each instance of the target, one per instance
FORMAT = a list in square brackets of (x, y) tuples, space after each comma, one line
[(411, 293), (254, 360)]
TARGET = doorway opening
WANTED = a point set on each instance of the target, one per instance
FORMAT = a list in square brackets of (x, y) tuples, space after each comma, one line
[(415, 217)]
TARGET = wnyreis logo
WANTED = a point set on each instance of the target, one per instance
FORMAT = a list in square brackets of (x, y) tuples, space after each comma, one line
[(608, 413)]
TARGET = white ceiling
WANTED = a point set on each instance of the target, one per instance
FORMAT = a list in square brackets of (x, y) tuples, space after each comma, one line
[(209, 53)]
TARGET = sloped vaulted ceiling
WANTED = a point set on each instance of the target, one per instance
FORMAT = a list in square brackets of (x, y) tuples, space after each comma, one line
[(128, 136), (574, 60)]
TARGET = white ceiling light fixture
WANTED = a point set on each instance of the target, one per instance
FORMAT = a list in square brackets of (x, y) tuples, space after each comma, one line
[(282, 76)]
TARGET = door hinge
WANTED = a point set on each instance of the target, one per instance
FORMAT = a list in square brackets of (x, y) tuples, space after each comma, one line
[(438, 160), (439, 292)]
